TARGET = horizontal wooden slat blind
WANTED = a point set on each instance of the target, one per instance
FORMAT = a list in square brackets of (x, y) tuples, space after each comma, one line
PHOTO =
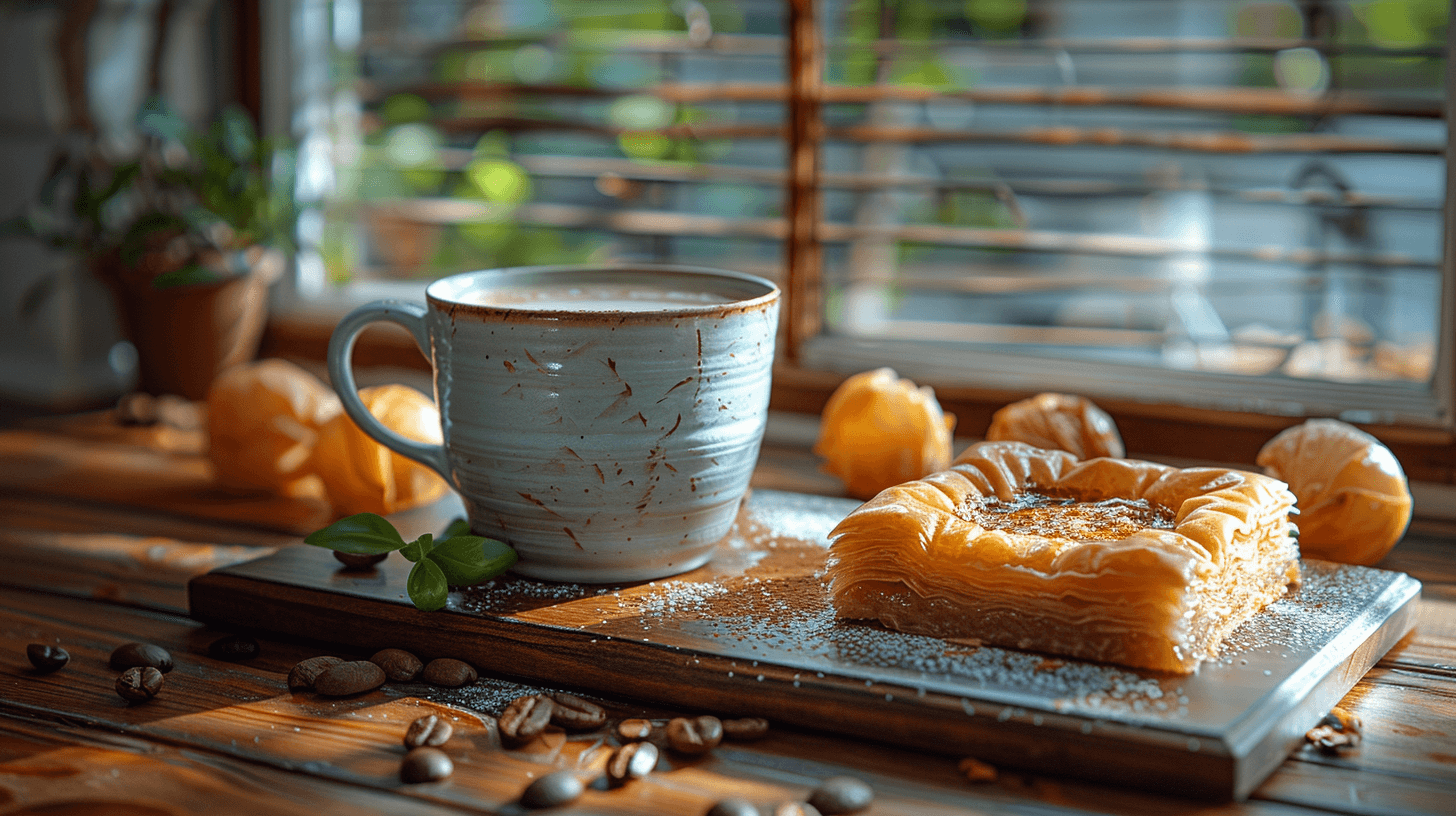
[(1242, 188)]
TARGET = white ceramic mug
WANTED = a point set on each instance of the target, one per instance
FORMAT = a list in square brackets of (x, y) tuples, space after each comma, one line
[(602, 420)]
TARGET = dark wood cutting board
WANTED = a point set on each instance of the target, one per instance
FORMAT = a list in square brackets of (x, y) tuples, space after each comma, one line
[(753, 633)]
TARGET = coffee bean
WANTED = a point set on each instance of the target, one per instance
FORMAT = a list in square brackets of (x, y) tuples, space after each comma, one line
[(631, 761), (234, 648), (449, 672), (425, 765), (353, 677), (634, 729), (399, 666), (745, 728), (698, 735), (795, 809), (46, 658), (732, 806), (139, 684), (575, 714), (358, 563), (841, 794), (305, 672), (128, 655), (551, 790), (428, 730), (525, 718)]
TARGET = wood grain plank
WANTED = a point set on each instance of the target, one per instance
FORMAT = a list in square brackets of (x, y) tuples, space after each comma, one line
[(241, 715), (131, 475)]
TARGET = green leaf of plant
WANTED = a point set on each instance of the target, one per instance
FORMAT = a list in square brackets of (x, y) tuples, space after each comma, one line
[(186, 276), (427, 586), (458, 527), (360, 534), (468, 559), (416, 550)]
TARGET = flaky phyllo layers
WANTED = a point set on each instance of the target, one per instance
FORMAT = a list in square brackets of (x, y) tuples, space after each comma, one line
[(1109, 559)]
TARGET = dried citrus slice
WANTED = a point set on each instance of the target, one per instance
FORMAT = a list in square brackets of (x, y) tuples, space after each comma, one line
[(363, 476), (1354, 503), (263, 421), (878, 430), (1058, 422)]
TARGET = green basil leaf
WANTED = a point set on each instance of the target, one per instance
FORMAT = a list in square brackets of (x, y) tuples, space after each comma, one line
[(458, 527), (419, 548), (468, 560), (426, 585), (360, 534)]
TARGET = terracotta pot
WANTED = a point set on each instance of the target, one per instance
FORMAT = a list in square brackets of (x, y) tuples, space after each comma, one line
[(186, 335)]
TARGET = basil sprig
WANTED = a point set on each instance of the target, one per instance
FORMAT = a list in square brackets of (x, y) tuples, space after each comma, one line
[(457, 559)]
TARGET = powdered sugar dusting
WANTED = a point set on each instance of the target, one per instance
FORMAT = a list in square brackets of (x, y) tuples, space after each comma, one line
[(761, 612)]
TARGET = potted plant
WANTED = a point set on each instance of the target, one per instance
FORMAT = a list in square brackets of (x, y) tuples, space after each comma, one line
[(188, 236)]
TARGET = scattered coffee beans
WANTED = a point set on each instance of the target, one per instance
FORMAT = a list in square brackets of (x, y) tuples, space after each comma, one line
[(46, 658), (631, 761), (234, 648), (303, 674), (974, 770), (449, 672), (575, 714), (358, 563), (795, 809), (425, 765), (745, 728), (698, 735), (428, 730), (553, 789), (128, 655), (525, 718), (841, 794), (353, 677), (399, 666), (732, 806), (139, 684), (634, 729)]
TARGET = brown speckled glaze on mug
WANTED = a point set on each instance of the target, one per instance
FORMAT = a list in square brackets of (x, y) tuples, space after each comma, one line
[(604, 421)]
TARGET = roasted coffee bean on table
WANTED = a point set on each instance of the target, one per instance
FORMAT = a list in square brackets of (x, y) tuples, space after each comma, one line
[(234, 648), (634, 729), (399, 666), (46, 658), (425, 765), (841, 794), (795, 809), (733, 806), (449, 672), (745, 728), (139, 684), (352, 677), (631, 761), (553, 789), (305, 672), (428, 730), (694, 736), (359, 563), (128, 655), (575, 714), (525, 718)]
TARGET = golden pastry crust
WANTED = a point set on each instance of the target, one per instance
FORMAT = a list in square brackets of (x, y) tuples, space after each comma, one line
[(1058, 422), (879, 430), (918, 559), (1354, 502)]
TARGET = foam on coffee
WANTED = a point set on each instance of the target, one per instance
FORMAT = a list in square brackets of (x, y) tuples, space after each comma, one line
[(591, 298)]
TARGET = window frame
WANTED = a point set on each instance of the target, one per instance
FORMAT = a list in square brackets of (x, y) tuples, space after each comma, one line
[(1158, 427)]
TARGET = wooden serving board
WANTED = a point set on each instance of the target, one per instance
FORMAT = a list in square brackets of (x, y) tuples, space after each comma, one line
[(753, 633)]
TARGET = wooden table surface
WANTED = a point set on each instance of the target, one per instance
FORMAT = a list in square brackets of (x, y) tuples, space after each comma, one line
[(101, 528)]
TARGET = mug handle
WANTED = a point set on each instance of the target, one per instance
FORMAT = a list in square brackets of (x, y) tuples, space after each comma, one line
[(341, 373)]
